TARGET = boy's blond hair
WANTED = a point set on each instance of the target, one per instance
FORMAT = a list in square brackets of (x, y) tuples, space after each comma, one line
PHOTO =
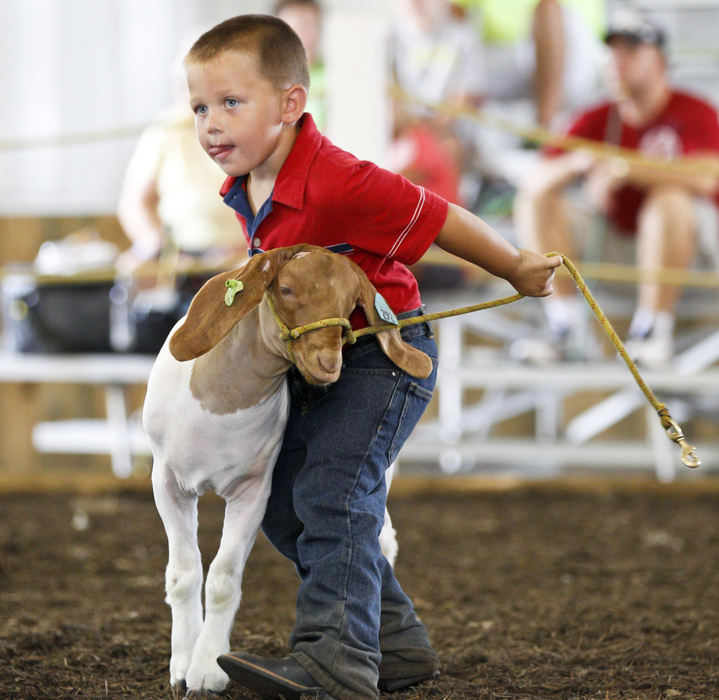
[(281, 58)]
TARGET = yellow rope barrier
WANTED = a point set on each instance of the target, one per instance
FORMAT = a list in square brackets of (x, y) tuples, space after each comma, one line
[(614, 272), (607, 272), (76, 139), (146, 271), (82, 137), (545, 137)]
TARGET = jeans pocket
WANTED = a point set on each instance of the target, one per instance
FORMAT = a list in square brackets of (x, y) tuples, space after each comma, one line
[(416, 400)]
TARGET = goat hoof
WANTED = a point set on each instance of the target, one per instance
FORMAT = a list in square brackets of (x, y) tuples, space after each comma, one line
[(179, 689), (197, 694)]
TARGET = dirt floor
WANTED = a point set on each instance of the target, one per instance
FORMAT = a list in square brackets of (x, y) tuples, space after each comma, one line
[(545, 591)]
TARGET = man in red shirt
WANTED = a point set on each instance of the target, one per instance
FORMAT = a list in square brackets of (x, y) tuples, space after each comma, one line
[(664, 210)]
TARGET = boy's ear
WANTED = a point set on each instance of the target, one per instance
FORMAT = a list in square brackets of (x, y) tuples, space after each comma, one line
[(410, 359), (219, 306), (295, 103)]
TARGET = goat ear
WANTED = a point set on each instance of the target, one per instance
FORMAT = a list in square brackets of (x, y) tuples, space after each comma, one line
[(209, 318), (411, 360)]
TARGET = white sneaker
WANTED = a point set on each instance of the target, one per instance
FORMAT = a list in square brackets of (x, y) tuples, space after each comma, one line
[(572, 345), (653, 352)]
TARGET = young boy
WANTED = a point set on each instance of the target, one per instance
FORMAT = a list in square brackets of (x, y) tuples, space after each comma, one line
[(355, 629)]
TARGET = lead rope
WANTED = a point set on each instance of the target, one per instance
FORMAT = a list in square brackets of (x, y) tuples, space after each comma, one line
[(671, 427)]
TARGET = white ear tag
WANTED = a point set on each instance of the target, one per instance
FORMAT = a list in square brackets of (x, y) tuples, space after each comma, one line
[(384, 310)]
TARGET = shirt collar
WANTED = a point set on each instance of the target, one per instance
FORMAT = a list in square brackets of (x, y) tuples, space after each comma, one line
[(292, 179)]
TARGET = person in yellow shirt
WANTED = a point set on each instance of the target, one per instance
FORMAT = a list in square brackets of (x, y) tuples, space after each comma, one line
[(549, 50)]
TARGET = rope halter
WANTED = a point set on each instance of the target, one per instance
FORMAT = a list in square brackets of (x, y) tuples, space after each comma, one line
[(289, 335)]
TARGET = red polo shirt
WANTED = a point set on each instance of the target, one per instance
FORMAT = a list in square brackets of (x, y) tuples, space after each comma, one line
[(686, 126), (327, 197)]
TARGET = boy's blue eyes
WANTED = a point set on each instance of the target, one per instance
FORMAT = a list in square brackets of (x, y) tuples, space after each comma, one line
[(230, 103)]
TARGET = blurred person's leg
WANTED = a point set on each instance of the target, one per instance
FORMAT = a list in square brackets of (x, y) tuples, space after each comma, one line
[(568, 59), (666, 238), (550, 51)]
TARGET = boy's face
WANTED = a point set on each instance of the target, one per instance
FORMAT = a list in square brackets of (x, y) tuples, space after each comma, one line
[(238, 113)]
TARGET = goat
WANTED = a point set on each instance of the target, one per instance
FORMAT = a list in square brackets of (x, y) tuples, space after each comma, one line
[(215, 412)]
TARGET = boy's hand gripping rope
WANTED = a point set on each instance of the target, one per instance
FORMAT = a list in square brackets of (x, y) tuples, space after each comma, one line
[(671, 427)]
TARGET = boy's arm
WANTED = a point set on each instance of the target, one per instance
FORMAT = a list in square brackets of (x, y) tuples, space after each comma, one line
[(468, 237)]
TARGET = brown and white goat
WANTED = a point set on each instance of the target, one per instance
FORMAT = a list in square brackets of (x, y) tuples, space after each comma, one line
[(216, 408)]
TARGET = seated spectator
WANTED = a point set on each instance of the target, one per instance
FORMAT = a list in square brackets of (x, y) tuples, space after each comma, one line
[(662, 212), (170, 193), (305, 17), (435, 58)]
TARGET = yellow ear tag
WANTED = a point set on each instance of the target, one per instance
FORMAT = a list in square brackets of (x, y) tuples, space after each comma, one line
[(233, 286)]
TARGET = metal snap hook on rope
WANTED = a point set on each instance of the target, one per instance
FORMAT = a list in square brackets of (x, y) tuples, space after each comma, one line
[(674, 433)]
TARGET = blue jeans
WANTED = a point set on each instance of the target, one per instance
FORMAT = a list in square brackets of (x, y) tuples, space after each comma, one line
[(353, 621)]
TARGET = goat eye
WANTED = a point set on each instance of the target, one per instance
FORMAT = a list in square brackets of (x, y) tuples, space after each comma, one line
[(285, 291)]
